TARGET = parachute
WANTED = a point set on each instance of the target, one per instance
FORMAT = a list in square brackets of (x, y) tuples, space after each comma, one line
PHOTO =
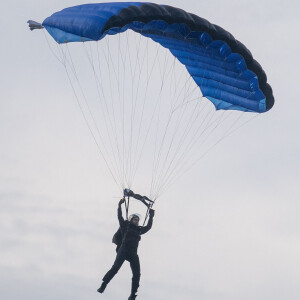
[(150, 112)]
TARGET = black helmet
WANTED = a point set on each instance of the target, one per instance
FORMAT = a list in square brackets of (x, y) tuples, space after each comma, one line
[(134, 216)]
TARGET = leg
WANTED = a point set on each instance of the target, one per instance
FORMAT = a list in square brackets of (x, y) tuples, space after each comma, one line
[(115, 268), (136, 273)]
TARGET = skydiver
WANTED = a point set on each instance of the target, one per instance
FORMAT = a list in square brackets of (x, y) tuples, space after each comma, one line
[(127, 250)]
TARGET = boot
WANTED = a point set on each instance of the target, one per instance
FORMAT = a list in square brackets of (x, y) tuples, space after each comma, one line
[(132, 297), (102, 287)]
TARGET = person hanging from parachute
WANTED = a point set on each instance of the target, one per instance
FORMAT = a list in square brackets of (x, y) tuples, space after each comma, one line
[(127, 239)]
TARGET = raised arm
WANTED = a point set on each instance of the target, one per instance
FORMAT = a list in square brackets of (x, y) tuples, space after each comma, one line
[(120, 217), (149, 224)]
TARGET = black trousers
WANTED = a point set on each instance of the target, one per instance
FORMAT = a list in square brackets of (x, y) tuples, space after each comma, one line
[(122, 255)]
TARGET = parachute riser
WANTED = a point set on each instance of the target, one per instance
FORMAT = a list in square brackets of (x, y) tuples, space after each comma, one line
[(128, 193), (147, 213)]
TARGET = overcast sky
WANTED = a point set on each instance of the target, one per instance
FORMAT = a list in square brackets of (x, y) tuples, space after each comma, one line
[(228, 230)]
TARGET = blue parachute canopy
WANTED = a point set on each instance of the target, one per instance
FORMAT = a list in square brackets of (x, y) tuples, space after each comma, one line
[(221, 66)]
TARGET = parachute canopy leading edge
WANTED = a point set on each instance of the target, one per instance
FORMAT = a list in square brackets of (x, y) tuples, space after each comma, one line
[(221, 66)]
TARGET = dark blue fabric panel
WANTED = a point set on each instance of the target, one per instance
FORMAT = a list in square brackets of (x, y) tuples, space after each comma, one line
[(246, 104), (221, 74), (243, 85), (217, 85), (233, 62)]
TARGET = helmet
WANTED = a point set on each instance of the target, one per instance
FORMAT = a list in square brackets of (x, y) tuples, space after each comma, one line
[(134, 216)]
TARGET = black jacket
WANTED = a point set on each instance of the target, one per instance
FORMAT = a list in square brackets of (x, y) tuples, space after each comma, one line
[(131, 234)]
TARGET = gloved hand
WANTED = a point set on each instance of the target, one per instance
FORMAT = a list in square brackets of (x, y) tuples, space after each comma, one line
[(151, 212), (122, 201)]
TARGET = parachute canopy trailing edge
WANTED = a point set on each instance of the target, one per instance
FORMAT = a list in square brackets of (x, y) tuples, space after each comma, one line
[(221, 66)]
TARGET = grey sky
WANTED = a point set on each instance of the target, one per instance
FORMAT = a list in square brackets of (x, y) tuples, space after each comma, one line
[(228, 230)]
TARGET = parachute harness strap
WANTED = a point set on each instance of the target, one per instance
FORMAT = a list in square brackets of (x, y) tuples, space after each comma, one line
[(127, 205)]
